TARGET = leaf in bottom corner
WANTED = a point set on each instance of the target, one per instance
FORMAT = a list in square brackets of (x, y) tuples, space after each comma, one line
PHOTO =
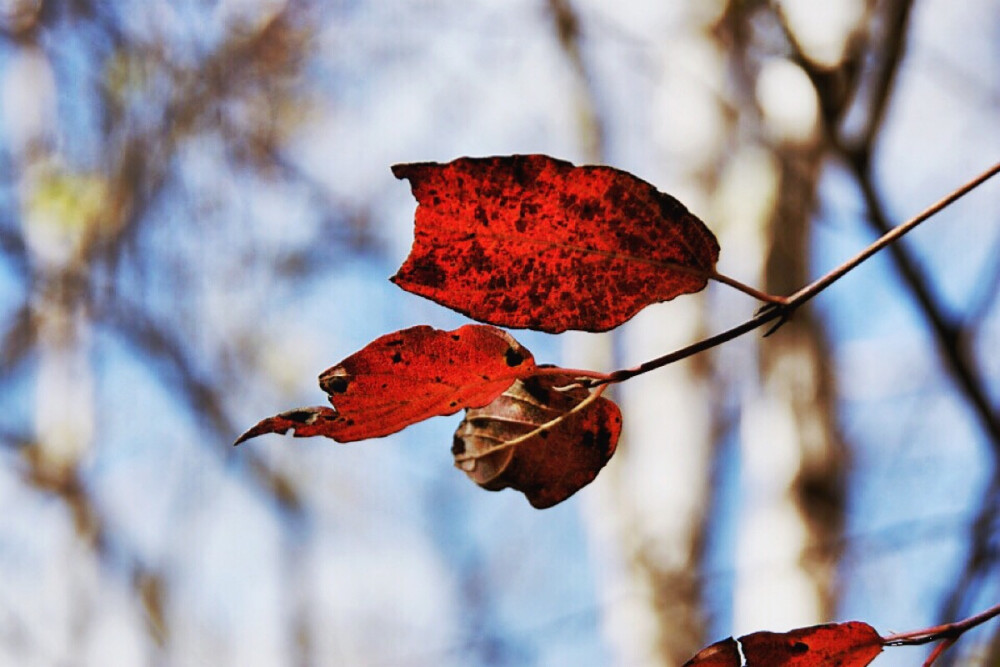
[(851, 644), (551, 465)]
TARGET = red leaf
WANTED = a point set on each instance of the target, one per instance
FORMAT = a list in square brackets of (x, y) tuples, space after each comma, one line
[(531, 241), (851, 644), (555, 462), (406, 377)]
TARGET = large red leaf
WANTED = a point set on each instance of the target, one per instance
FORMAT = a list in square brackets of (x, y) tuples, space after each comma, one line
[(571, 440), (529, 241), (851, 644), (406, 377)]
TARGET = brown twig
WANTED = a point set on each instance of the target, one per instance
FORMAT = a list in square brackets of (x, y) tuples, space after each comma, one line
[(782, 311), (947, 634), (747, 289), (890, 237)]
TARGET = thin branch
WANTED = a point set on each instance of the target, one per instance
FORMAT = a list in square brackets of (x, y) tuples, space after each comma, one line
[(747, 289), (572, 372), (757, 321), (783, 311), (890, 236), (939, 632), (938, 650), (980, 560), (893, 47)]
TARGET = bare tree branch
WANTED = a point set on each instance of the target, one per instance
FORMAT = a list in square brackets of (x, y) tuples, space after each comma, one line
[(951, 335)]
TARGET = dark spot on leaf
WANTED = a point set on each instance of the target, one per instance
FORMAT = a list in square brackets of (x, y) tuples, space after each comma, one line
[(300, 416), (477, 257), (453, 404), (589, 209), (799, 647), (533, 386), (337, 384), (616, 194), (525, 169), (393, 343), (529, 209), (513, 357), (429, 273), (456, 337), (604, 440), (543, 434), (396, 358), (633, 243)]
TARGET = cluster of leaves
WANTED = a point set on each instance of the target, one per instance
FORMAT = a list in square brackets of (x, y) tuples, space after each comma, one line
[(524, 241), (528, 241)]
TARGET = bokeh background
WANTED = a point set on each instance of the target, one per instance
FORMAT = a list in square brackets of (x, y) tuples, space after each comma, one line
[(197, 217)]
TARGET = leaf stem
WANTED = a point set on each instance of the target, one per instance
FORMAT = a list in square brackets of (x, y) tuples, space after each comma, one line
[(947, 634), (747, 289), (762, 318), (938, 632), (602, 378), (946, 644), (781, 308)]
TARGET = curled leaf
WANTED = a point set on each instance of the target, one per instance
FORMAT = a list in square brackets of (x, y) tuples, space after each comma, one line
[(405, 377), (529, 241), (543, 436)]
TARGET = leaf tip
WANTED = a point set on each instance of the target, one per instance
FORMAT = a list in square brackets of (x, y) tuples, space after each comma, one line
[(260, 428), (303, 422)]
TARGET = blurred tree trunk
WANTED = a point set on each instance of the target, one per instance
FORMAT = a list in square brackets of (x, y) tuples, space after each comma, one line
[(58, 209), (647, 513), (793, 461), (650, 512)]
